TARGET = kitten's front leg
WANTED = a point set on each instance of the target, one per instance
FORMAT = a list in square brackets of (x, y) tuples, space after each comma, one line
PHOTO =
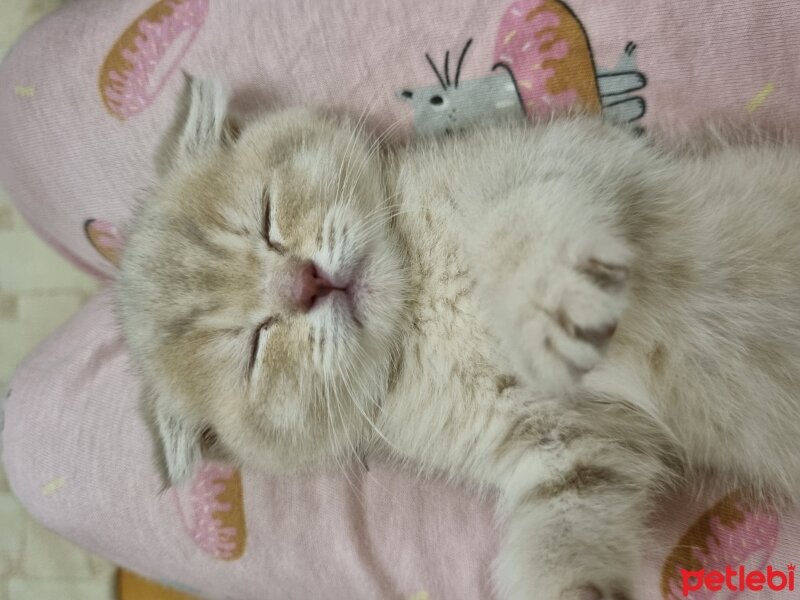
[(551, 280), (575, 495)]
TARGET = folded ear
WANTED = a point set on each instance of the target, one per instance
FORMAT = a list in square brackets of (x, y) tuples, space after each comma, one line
[(201, 125), (179, 441)]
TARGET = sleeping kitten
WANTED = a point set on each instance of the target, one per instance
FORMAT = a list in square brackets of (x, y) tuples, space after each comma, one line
[(561, 312)]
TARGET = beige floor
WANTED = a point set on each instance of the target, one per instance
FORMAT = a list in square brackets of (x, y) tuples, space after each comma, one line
[(34, 563)]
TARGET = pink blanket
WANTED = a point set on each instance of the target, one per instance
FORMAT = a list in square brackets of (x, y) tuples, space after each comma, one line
[(84, 97)]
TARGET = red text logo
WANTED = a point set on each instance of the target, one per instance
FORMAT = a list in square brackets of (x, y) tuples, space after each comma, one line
[(738, 580)]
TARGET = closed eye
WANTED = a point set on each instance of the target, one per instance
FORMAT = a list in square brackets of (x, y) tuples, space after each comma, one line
[(255, 343), (267, 226)]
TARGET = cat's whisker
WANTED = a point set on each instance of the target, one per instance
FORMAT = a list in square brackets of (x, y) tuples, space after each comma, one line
[(346, 378), (375, 146), (375, 225), (354, 454), (373, 149), (378, 222), (316, 346), (385, 212), (351, 145), (379, 208), (366, 396), (346, 471)]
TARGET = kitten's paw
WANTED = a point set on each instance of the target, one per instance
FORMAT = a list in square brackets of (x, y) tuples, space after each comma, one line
[(572, 313)]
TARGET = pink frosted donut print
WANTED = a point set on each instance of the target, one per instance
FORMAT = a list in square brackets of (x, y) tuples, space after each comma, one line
[(212, 510), (147, 53), (728, 533), (543, 43)]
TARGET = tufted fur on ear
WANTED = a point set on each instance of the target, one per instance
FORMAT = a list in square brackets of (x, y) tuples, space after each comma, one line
[(201, 125)]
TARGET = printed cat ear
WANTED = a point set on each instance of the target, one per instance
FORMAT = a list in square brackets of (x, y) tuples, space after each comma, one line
[(201, 124), (179, 442)]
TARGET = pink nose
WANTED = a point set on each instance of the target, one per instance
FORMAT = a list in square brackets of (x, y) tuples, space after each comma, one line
[(309, 286)]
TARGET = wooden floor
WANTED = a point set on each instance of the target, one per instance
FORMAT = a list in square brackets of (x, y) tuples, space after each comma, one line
[(132, 587)]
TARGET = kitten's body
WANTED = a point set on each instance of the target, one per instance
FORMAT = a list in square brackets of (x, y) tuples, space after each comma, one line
[(709, 344), (476, 341), (707, 352)]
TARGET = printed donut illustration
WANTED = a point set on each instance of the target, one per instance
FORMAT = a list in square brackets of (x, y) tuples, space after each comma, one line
[(727, 534), (212, 510), (105, 238), (544, 44), (147, 53)]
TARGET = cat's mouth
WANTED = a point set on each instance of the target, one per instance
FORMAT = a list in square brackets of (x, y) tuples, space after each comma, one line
[(356, 292), (346, 299), (348, 293)]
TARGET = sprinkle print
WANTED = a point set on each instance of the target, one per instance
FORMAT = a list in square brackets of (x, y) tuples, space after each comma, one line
[(760, 97), (52, 487), (24, 91), (213, 512)]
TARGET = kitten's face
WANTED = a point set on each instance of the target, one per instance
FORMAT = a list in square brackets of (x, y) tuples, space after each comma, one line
[(262, 291)]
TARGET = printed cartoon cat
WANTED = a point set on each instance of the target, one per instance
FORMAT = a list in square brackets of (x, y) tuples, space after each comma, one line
[(452, 104), (541, 52)]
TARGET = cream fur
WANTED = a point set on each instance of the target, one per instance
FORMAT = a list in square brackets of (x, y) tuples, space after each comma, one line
[(562, 312)]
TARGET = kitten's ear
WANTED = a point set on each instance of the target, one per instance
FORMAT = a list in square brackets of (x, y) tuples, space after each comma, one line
[(201, 125), (179, 441), (206, 103)]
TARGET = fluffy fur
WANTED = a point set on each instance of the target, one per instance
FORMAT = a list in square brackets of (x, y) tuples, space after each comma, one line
[(562, 312)]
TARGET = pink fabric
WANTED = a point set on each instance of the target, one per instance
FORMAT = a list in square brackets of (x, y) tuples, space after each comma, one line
[(72, 418), (84, 97), (80, 459), (74, 159)]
